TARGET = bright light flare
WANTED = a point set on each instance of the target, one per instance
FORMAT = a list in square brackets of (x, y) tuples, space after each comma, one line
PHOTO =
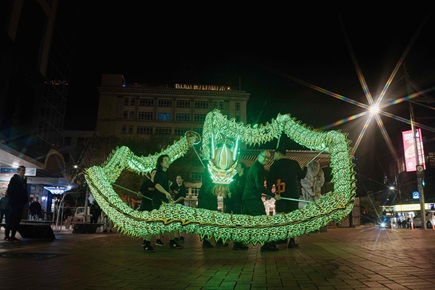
[(374, 110)]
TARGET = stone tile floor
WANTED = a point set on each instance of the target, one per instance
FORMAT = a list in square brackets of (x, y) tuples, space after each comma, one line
[(339, 258)]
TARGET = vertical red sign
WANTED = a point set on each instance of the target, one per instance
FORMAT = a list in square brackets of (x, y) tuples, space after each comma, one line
[(409, 149)]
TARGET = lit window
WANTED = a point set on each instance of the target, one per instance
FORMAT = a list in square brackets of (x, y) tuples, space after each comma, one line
[(164, 116)]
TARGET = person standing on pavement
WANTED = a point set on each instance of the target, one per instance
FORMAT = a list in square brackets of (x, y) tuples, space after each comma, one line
[(4, 207), (285, 174), (95, 212), (252, 204), (35, 209), (148, 190), (18, 197), (162, 193)]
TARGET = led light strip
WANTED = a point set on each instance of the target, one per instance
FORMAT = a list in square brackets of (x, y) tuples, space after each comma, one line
[(333, 206)]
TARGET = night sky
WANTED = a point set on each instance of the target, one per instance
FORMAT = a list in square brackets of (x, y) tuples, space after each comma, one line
[(270, 52)]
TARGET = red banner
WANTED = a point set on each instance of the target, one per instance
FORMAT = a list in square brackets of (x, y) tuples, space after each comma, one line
[(409, 149)]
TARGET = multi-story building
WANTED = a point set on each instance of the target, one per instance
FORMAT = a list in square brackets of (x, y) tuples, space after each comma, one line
[(141, 110), (35, 58), (163, 113)]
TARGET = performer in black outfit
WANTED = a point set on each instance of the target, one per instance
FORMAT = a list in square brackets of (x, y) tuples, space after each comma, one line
[(162, 193), (179, 190), (286, 174), (147, 190), (252, 203)]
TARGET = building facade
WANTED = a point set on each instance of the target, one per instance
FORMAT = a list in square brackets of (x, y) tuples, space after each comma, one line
[(35, 58), (142, 111)]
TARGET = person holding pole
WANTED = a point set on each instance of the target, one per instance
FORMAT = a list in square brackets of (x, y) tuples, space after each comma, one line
[(252, 203), (286, 174)]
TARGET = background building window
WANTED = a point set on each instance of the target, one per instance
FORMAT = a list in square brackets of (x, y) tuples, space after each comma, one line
[(163, 130), (130, 130), (124, 130), (132, 115), (146, 102), (164, 103), (201, 104), (125, 115), (132, 102), (182, 117), (164, 116), (183, 104), (199, 117), (237, 106), (180, 131), (144, 130), (145, 116), (126, 101)]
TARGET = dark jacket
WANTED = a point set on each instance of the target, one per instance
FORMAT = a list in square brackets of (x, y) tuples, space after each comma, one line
[(254, 186), (17, 191), (206, 198), (35, 208)]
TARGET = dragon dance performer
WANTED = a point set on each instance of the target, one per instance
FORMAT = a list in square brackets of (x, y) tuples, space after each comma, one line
[(252, 204), (286, 175)]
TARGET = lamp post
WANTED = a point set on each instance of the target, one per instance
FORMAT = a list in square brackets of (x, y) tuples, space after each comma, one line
[(419, 167)]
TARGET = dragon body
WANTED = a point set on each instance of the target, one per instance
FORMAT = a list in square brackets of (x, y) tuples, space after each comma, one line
[(332, 206)]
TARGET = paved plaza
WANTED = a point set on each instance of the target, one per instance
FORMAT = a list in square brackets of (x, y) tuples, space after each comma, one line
[(338, 258)]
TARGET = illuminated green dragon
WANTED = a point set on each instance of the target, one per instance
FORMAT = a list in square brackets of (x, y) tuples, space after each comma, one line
[(333, 206)]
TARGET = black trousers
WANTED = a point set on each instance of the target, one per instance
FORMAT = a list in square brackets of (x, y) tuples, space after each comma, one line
[(13, 220)]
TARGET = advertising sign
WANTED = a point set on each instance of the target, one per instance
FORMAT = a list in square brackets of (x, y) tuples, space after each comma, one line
[(13, 170), (409, 149)]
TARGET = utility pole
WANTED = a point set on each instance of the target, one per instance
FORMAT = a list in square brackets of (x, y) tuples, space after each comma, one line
[(419, 173)]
